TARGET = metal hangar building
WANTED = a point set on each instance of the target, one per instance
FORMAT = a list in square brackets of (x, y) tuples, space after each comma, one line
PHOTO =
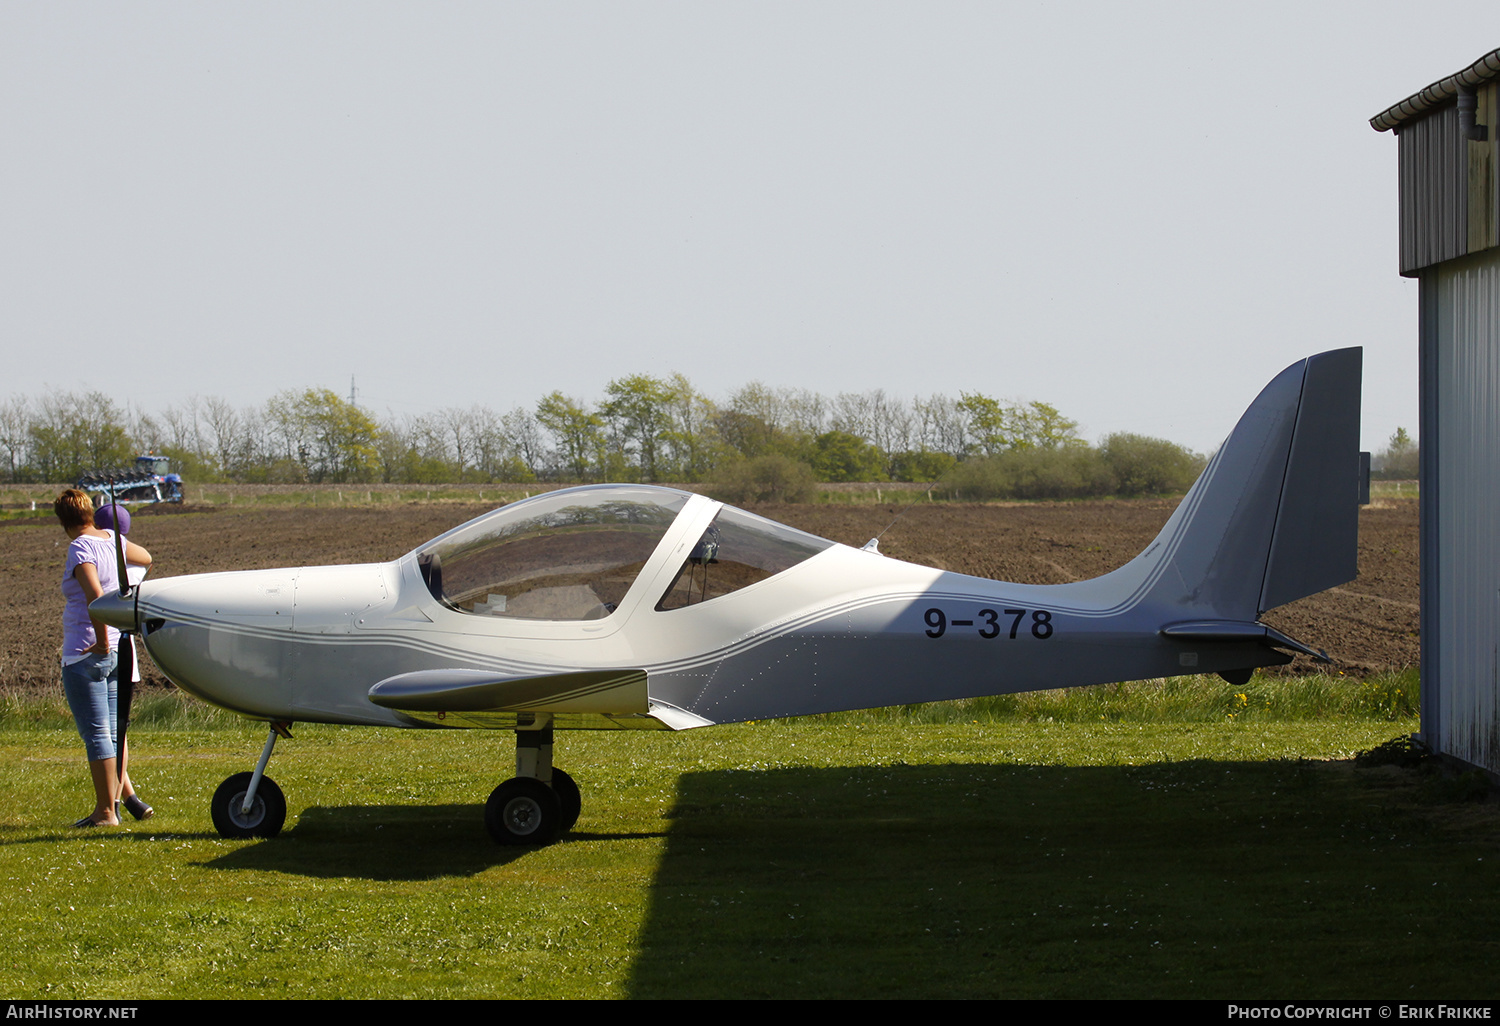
[(1447, 141)]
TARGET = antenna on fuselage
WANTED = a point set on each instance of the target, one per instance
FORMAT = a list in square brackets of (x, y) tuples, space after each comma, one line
[(873, 545)]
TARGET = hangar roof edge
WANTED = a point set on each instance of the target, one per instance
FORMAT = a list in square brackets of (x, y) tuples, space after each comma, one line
[(1481, 71)]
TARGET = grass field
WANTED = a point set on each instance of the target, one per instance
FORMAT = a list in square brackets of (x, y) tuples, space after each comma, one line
[(1017, 854)]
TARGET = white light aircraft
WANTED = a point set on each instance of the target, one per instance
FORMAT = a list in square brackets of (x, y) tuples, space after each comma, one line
[(631, 606)]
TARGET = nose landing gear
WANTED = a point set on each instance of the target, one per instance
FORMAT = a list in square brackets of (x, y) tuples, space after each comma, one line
[(250, 804)]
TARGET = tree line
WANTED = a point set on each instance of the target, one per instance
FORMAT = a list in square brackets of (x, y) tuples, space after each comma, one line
[(758, 442)]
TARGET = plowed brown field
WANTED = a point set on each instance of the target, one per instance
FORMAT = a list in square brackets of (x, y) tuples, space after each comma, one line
[(1367, 625)]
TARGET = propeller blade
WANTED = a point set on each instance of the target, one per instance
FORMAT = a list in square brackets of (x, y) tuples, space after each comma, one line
[(119, 542), (125, 691)]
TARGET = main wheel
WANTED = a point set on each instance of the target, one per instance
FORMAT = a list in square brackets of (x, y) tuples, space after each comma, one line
[(568, 797), (523, 810), (267, 813)]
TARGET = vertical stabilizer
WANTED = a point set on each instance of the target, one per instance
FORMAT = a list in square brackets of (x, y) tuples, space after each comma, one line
[(1274, 516)]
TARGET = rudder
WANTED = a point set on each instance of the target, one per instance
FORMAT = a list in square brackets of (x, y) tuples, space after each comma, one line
[(1316, 540)]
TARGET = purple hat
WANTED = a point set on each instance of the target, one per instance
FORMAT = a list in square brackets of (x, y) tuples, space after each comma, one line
[(106, 516)]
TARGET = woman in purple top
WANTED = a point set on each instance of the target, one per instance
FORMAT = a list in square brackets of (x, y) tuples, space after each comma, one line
[(89, 663)]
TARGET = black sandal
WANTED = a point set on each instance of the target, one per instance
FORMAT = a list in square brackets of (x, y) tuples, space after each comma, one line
[(138, 808)]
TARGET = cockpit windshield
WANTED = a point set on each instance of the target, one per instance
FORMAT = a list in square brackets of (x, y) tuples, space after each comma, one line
[(569, 555)]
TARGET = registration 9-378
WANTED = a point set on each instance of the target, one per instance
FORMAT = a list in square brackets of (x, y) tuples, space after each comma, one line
[(990, 622)]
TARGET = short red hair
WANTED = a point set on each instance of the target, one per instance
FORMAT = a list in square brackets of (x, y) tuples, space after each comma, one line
[(74, 508)]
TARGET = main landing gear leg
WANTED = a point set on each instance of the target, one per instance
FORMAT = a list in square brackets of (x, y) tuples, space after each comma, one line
[(250, 804), (539, 802)]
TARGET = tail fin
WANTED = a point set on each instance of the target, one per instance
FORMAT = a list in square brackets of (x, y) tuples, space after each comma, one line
[(1275, 515)]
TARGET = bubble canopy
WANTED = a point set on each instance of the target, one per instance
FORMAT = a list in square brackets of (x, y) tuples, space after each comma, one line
[(573, 554)]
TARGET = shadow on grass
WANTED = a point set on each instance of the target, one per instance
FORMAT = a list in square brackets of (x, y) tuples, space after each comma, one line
[(385, 842), (1188, 879), (110, 834)]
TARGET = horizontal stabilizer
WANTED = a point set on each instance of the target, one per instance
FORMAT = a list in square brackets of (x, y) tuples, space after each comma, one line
[(621, 691), (1239, 631)]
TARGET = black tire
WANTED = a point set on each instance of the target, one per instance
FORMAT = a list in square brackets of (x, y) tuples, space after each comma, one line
[(265, 817), (523, 810), (568, 797)]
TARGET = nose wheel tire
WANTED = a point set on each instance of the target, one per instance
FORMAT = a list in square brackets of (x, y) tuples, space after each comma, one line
[(267, 813), (523, 810)]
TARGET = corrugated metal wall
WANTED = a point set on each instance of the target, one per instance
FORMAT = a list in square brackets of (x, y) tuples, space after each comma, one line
[(1434, 190), (1448, 207), (1460, 349)]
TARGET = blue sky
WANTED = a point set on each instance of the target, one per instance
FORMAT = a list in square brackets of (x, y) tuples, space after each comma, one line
[(1136, 212)]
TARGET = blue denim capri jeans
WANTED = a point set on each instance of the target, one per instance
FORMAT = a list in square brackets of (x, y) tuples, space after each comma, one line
[(91, 687)]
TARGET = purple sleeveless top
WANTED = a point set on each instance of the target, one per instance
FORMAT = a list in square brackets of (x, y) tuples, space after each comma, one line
[(78, 629)]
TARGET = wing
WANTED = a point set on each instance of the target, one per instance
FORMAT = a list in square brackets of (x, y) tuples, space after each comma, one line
[(614, 698)]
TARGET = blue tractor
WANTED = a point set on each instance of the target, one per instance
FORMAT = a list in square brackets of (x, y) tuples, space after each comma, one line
[(143, 484)]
